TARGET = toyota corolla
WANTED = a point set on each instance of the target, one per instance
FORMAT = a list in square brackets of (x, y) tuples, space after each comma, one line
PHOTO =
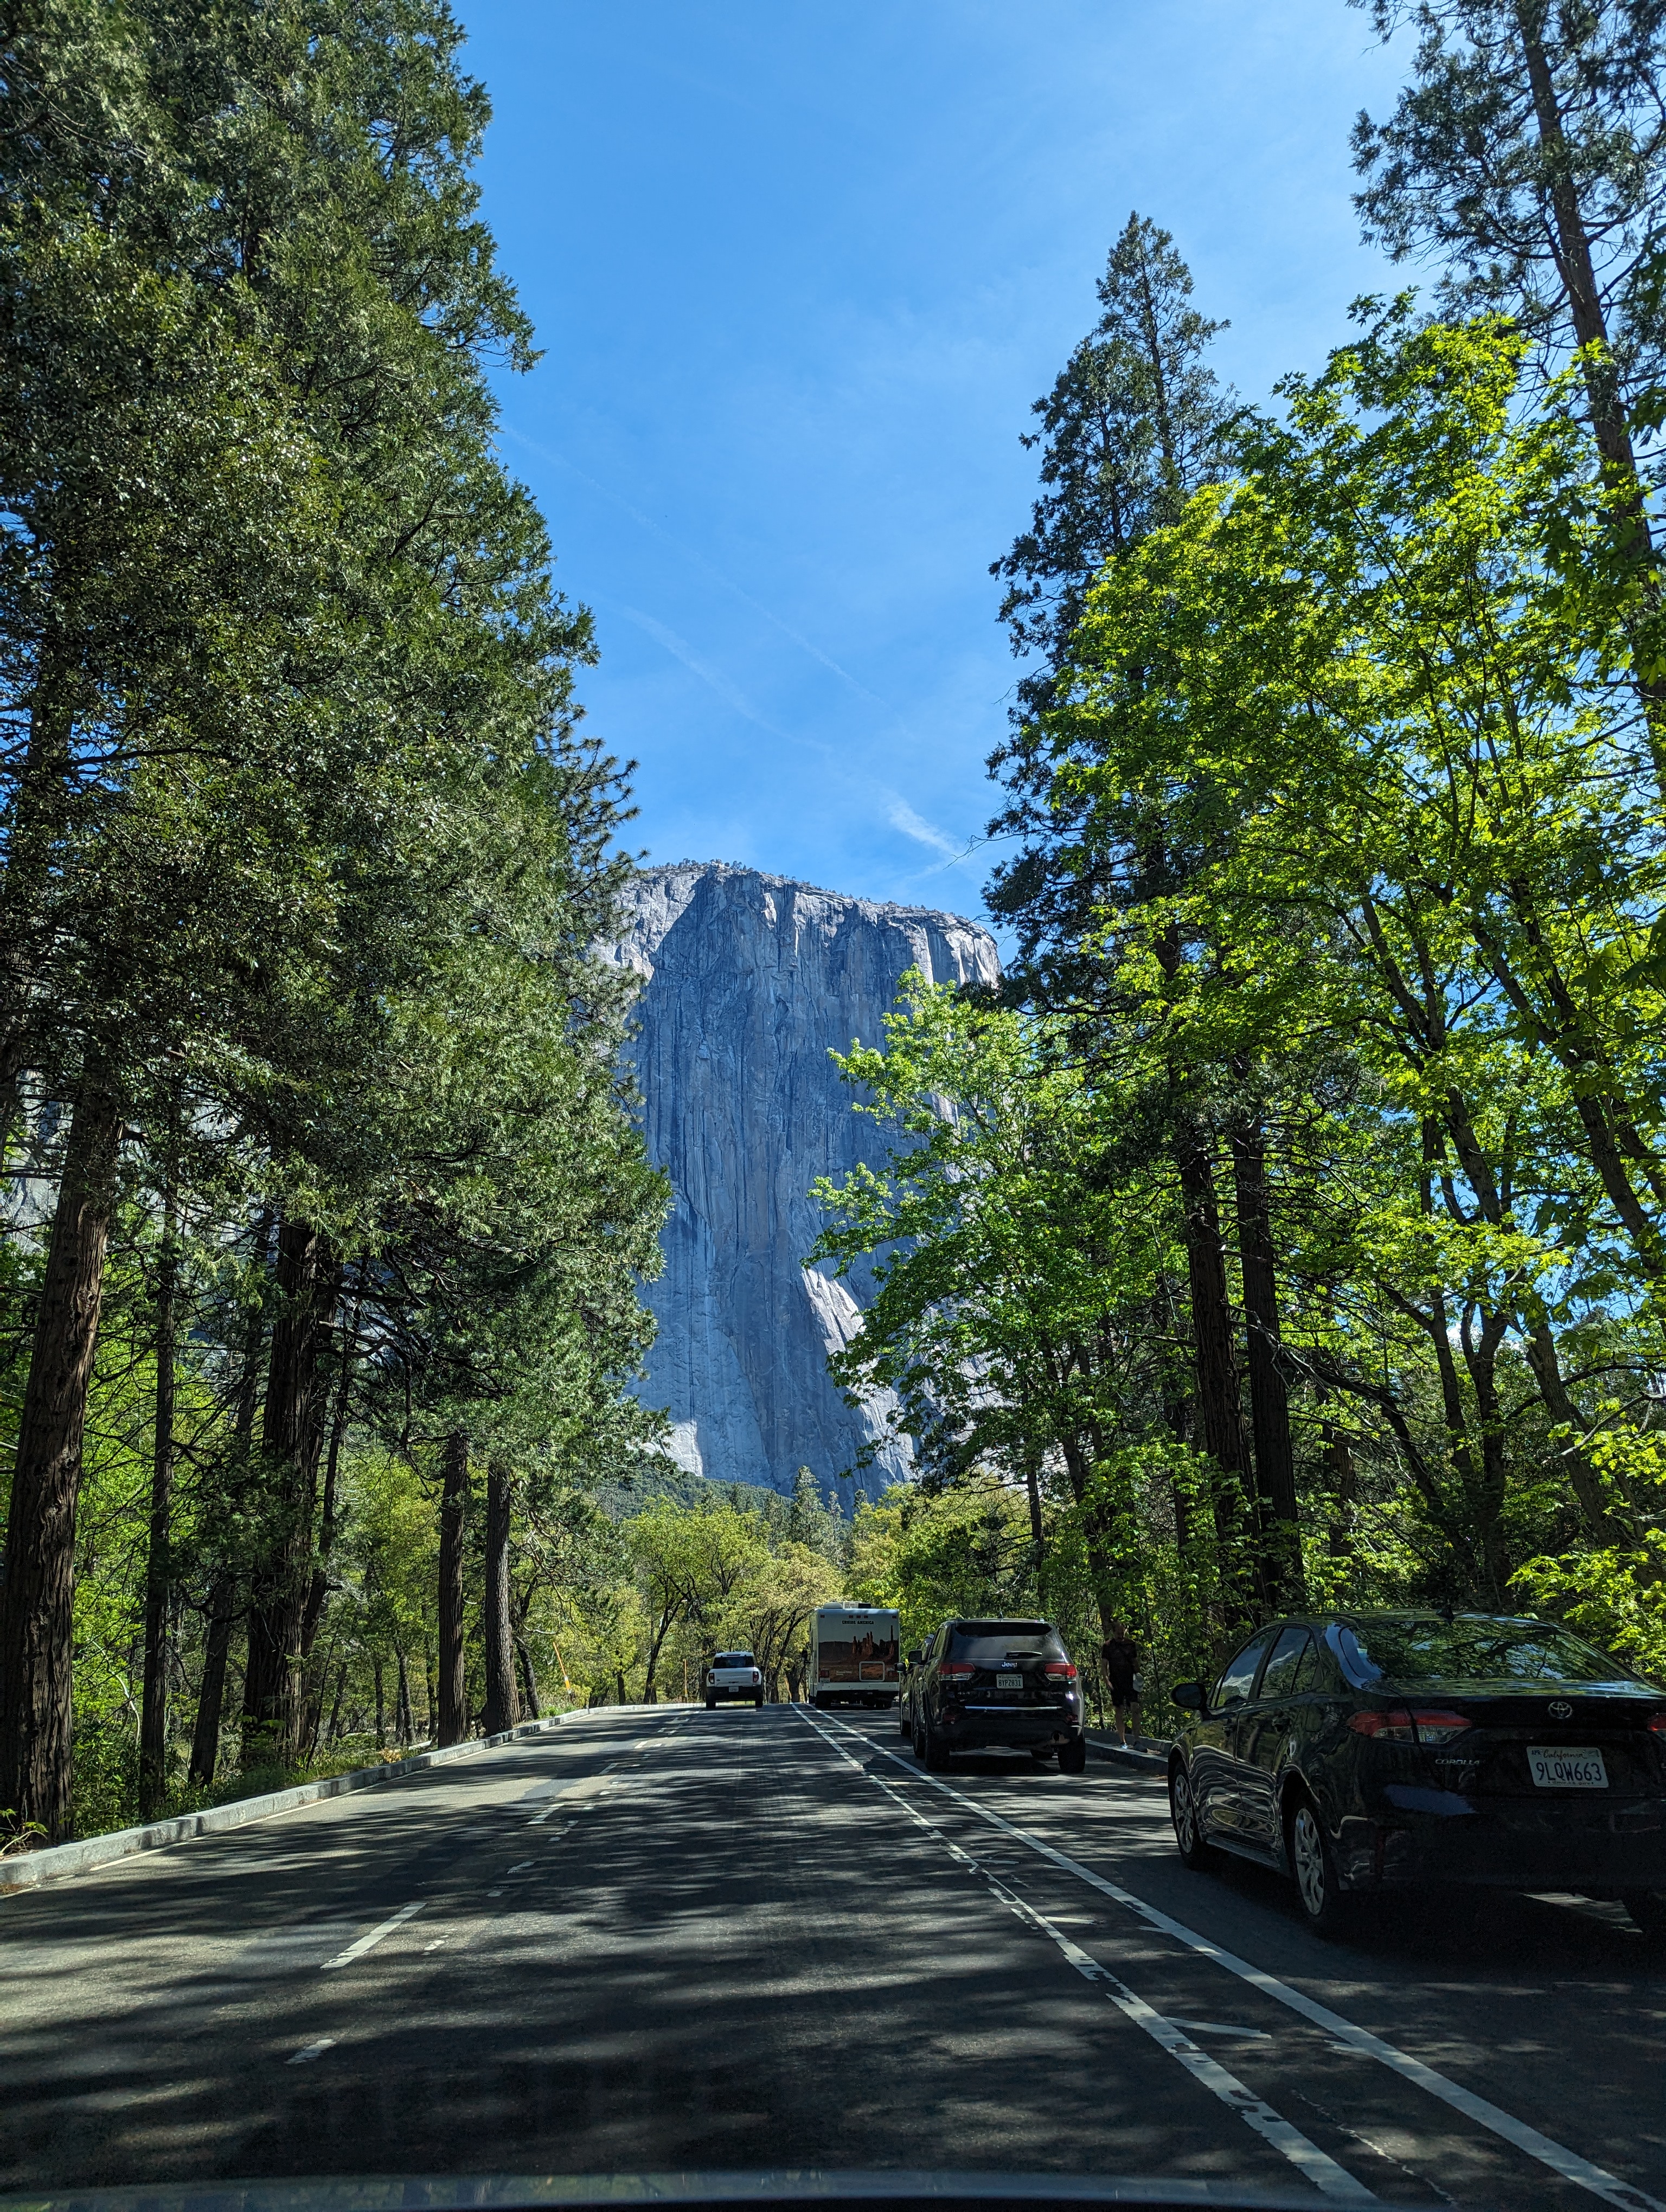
[(1364, 1751)]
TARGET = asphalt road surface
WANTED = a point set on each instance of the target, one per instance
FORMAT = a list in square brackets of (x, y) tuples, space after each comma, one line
[(764, 1939)]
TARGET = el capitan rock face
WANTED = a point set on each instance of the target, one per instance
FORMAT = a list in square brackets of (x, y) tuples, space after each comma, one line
[(750, 980)]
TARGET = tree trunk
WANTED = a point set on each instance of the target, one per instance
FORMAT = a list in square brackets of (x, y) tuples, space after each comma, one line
[(381, 1703), (1577, 269), (503, 1706), (291, 1437), (1339, 1463), (1032, 1491), (1269, 1403), (529, 1680), (319, 1589), (454, 1522), (1481, 1353), (333, 1727), (38, 1595), (205, 1737), (153, 1712), (405, 1727), (1604, 1524), (1220, 1424)]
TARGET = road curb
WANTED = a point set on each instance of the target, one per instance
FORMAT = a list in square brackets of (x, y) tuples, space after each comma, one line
[(1143, 1762), (30, 1869)]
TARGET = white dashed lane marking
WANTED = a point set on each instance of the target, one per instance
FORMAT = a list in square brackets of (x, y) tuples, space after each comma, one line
[(369, 1942), (1331, 2179), (1359, 2041)]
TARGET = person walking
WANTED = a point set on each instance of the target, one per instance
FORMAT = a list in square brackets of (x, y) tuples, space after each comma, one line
[(1121, 1655)]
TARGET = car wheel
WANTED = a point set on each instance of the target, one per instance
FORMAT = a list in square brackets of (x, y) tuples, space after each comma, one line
[(1043, 1752), (937, 1751), (1327, 1909), (1073, 1756), (758, 1703), (1648, 1909), (1195, 1850), (904, 1726), (711, 1704)]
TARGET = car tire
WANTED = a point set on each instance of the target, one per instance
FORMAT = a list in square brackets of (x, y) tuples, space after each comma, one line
[(1326, 1907), (904, 1725), (1073, 1756), (711, 1704), (1648, 1909), (936, 1758), (757, 1704), (1195, 1850)]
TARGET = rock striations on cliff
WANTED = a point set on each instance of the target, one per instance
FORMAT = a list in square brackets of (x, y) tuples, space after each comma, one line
[(749, 982)]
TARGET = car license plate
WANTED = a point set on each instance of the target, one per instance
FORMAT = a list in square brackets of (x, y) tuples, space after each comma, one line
[(1567, 1767), (1009, 1682)]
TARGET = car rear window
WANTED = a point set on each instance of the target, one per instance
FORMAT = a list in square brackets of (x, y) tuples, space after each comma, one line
[(732, 1659), (1472, 1648), (986, 1642)]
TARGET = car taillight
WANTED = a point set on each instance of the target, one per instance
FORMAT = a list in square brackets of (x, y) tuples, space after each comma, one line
[(1059, 1670), (1426, 1725), (756, 1677), (1657, 1725), (1393, 1726), (1435, 1725), (956, 1673)]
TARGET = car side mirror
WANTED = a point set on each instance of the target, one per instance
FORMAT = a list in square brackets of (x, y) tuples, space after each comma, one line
[(916, 1655), (1189, 1697)]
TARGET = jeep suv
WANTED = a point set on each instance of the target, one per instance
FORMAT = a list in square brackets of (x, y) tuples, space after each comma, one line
[(1006, 1685)]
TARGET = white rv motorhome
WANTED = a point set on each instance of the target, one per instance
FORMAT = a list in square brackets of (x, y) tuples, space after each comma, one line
[(855, 1651)]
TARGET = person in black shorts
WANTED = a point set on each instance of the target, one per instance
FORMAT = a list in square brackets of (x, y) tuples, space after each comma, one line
[(1121, 1655)]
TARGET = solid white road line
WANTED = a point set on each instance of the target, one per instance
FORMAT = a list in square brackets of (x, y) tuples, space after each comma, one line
[(313, 2051), (369, 1942), (1517, 2133), (1323, 2171)]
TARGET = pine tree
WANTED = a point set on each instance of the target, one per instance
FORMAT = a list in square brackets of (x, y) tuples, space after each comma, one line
[(276, 634), (1136, 423), (1526, 155)]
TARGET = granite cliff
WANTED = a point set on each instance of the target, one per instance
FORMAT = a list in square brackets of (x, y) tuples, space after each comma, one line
[(749, 980)]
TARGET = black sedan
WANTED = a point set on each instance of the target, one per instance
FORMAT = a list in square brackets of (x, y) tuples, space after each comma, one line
[(1006, 1685), (1364, 1751)]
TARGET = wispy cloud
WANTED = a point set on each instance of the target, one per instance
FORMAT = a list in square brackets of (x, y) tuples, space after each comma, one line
[(689, 553), (901, 816), (680, 649)]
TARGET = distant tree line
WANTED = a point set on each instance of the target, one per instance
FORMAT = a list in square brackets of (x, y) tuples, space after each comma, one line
[(326, 1209), (1295, 1227)]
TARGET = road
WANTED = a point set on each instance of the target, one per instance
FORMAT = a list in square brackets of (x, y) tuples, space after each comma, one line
[(750, 1940)]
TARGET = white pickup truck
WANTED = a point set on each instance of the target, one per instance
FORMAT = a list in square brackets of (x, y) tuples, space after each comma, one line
[(732, 1676), (854, 1653)]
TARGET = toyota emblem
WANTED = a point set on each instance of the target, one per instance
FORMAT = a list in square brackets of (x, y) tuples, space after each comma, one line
[(1561, 1709)]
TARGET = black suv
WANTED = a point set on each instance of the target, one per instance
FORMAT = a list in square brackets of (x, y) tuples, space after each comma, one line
[(1363, 1751), (1008, 1685)]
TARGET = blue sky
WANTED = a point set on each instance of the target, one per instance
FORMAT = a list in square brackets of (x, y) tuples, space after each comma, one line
[(799, 267)]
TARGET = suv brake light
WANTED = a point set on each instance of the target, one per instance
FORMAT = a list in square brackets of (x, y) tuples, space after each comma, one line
[(1658, 1725), (956, 1673), (1059, 1670)]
